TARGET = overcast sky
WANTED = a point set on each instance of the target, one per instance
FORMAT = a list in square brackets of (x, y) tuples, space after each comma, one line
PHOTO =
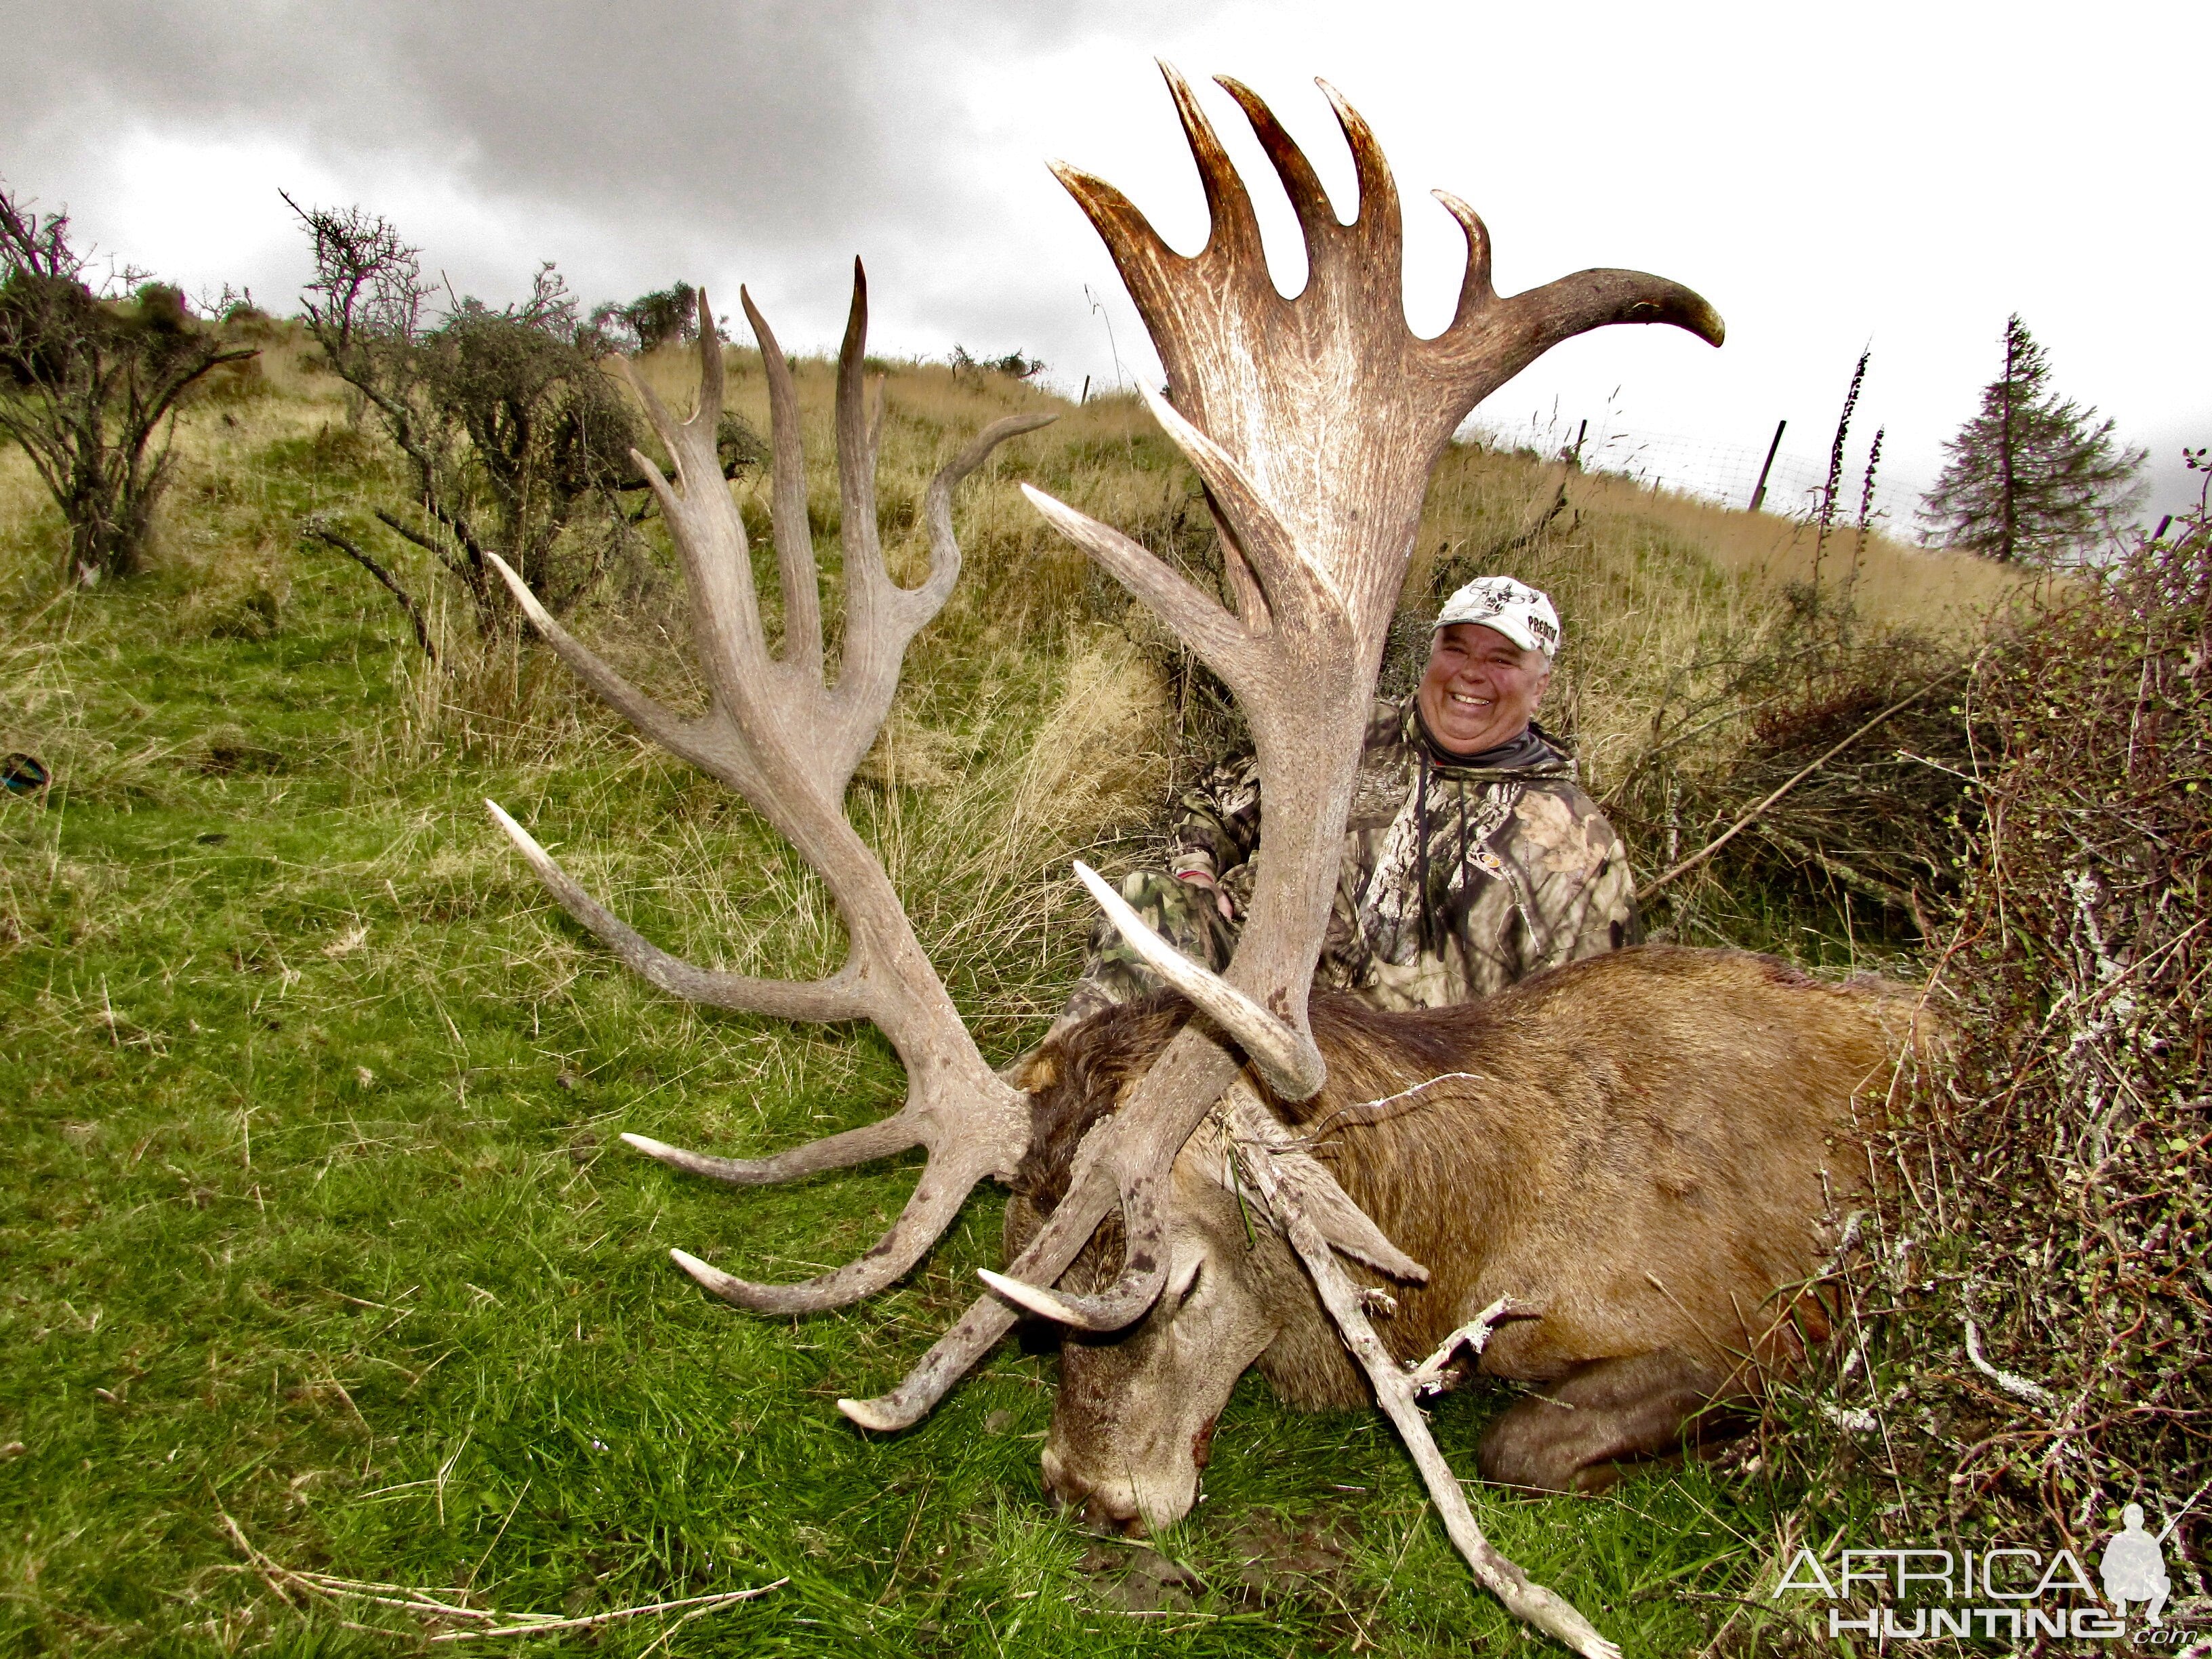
[(1894, 175)]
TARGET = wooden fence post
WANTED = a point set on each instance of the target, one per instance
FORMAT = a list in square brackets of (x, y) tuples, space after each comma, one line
[(1758, 495)]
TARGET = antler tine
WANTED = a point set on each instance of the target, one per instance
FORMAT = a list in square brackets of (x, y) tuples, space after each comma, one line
[(937, 501), (710, 540), (673, 733), (1381, 223), (856, 449), (881, 617), (794, 541), (946, 1181), (1292, 590), (1196, 617), (1234, 241), (1476, 290), (706, 413), (1145, 1257), (843, 995), (1492, 339), (839, 1151), (1308, 197), (1137, 250), (1285, 1055)]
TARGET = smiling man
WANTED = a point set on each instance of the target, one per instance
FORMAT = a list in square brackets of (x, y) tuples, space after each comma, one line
[(1472, 857)]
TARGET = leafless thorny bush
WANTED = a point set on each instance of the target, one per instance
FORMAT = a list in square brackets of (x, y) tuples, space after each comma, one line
[(516, 440), (92, 374), (2034, 1310)]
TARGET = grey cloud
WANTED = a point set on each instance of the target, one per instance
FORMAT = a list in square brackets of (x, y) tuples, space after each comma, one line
[(690, 137), (770, 117), (786, 116)]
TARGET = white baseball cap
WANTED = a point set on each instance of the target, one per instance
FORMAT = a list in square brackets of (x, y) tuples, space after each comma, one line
[(1514, 609)]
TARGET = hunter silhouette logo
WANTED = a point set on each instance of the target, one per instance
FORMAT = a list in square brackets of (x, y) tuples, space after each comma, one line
[(2134, 1566)]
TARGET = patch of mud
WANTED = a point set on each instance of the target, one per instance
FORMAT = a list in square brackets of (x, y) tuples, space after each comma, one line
[(1280, 1557), (1270, 1560), (1141, 1580)]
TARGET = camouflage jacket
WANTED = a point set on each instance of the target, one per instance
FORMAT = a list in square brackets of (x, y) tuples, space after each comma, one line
[(1457, 879)]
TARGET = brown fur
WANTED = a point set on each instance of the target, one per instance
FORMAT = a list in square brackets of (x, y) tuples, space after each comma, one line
[(1652, 1145)]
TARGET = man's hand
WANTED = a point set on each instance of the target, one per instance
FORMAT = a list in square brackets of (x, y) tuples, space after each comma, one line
[(1199, 878)]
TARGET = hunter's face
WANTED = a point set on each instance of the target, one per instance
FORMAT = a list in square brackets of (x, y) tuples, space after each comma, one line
[(1481, 690)]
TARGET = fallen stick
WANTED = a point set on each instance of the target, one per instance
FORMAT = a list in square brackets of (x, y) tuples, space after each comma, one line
[(1430, 1376), (280, 1577), (1258, 1140)]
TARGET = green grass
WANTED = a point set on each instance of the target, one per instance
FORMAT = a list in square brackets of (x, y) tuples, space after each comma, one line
[(314, 1215)]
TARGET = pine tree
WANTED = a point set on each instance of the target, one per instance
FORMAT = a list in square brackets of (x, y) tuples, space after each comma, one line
[(2032, 478)]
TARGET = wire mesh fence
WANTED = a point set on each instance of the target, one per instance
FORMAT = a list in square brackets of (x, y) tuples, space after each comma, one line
[(1722, 472)]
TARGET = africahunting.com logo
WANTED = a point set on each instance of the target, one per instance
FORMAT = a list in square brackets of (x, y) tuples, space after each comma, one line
[(2001, 1592)]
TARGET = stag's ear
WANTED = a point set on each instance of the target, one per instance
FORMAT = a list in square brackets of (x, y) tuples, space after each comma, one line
[(1345, 1226), (1342, 1221)]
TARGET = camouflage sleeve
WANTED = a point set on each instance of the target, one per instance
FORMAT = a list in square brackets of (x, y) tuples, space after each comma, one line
[(1218, 825), (1581, 894)]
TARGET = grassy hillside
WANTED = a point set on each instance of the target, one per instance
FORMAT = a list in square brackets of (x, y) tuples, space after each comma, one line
[(316, 1228)]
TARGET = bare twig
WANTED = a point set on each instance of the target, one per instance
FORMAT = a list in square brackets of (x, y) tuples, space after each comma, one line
[(490, 1622), (321, 530), (2012, 1383), (1430, 1377), (1367, 1113)]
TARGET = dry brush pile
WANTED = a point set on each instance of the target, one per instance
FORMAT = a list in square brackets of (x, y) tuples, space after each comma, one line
[(1828, 765)]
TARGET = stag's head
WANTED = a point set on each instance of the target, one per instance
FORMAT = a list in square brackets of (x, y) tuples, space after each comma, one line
[(1132, 1422), (1313, 422)]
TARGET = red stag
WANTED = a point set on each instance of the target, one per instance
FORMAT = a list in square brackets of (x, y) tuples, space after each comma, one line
[(1568, 1140)]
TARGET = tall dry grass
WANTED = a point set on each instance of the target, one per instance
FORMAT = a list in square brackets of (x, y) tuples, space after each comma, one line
[(1887, 580)]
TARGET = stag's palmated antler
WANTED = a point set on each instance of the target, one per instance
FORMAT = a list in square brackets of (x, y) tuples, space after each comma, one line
[(1314, 423), (787, 741)]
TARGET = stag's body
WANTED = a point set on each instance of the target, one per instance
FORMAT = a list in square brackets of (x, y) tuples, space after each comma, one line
[(1643, 1149)]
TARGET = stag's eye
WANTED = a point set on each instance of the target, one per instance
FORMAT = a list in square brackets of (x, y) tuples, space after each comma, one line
[(1190, 1285)]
